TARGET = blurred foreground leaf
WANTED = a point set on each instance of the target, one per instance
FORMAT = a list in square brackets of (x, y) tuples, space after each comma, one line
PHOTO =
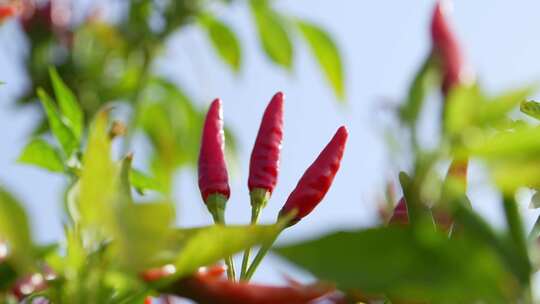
[(205, 246), (405, 264), (15, 230), (531, 108)]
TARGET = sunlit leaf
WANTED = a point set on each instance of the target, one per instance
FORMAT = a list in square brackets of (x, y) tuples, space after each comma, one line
[(405, 265), (468, 107), (273, 34), (15, 230), (327, 54), (224, 40), (63, 134), (40, 153), (98, 180), (143, 231), (522, 142), (68, 103), (531, 108), (205, 246)]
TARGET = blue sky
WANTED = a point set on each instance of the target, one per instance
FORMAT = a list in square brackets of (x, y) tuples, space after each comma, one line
[(382, 43)]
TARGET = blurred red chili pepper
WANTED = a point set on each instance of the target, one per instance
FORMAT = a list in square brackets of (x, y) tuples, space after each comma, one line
[(264, 163), (446, 47), (7, 11), (209, 287), (400, 215), (317, 179), (213, 176)]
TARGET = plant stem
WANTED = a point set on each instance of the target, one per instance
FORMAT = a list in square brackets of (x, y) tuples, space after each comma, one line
[(258, 258), (255, 212), (216, 206)]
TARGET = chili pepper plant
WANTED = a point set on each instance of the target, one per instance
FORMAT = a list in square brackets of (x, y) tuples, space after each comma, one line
[(121, 244)]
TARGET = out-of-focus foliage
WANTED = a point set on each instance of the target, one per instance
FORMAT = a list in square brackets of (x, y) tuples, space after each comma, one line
[(112, 62)]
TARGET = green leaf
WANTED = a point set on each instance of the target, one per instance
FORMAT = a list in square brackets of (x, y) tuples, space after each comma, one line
[(406, 264), (531, 108), (424, 81), (98, 182), (327, 54), (223, 39), (63, 134), (40, 153), (69, 105), (143, 232), (468, 107), (142, 182), (15, 230), (204, 246), (273, 34)]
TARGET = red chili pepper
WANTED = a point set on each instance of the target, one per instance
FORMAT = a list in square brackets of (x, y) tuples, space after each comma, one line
[(317, 179), (6, 11), (447, 48), (209, 286), (264, 163), (213, 176), (400, 215)]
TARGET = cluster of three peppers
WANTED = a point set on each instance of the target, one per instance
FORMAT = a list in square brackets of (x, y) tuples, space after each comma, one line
[(263, 172)]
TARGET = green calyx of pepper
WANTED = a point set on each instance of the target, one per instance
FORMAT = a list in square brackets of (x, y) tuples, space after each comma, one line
[(216, 205), (259, 199)]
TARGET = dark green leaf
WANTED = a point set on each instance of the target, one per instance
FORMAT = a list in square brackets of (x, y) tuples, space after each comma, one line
[(531, 108), (15, 230), (327, 54), (273, 34), (406, 264), (224, 40), (68, 104), (40, 153), (63, 134)]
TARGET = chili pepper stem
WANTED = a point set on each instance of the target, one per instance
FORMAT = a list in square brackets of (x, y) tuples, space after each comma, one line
[(258, 258), (259, 198), (216, 205)]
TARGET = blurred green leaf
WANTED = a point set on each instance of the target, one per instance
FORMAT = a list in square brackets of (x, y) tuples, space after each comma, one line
[(204, 246), (468, 222), (15, 230), (327, 54), (68, 104), (98, 182), (142, 182), (531, 108), (40, 153), (273, 34), (424, 80), (143, 232), (63, 134), (406, 264), (468, 107), (522, 142), (223, 39)]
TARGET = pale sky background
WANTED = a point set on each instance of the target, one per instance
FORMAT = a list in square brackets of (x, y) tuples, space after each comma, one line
[(383, 43)]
